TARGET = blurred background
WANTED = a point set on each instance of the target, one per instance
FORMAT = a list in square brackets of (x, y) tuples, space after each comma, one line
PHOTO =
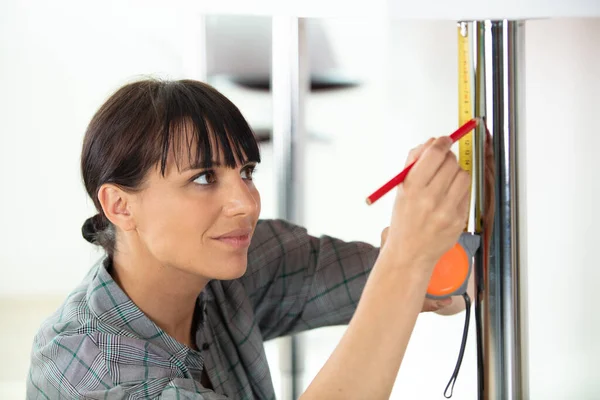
[(379, 88)]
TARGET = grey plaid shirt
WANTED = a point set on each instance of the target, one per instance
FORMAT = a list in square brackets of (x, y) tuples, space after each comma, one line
[(99, 345)]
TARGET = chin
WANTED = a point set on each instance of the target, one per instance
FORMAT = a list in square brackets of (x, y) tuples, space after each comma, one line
[(233, 268), (229, 274)]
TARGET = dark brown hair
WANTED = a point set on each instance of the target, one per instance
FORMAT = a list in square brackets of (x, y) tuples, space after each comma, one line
[(135, 128)]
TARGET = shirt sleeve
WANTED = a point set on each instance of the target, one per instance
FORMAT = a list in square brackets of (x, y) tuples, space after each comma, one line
[(298, 282), (69, 367)]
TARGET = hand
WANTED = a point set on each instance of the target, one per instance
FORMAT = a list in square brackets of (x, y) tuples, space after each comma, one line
[(431, 305), (431, 206)]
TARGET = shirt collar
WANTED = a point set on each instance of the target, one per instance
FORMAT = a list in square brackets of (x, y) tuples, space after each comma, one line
[(117, 314)]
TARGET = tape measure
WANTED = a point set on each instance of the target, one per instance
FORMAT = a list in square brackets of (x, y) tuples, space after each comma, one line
[(450, 276), (451, 273), (465, 104)]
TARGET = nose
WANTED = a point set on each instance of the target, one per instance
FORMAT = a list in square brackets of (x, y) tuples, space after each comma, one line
[(240, 198)]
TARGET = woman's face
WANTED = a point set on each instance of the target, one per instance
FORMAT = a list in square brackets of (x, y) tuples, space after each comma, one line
[(199, 220)]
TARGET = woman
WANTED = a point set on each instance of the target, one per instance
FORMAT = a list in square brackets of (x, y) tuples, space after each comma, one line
[(193, 283)]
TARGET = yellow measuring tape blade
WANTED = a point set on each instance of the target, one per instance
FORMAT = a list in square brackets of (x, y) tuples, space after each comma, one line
[(465, 107)]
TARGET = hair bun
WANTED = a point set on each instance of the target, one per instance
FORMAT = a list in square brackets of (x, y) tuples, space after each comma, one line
[(91, 227)]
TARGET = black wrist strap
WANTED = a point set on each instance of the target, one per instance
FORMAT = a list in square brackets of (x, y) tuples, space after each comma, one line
[(452, 381)]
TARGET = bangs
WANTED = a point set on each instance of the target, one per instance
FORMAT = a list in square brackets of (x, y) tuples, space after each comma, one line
[(202, 124)]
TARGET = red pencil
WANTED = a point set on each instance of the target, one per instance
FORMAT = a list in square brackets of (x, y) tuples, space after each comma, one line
[(398, 179)]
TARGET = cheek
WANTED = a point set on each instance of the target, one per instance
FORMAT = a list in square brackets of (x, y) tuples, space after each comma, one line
[(173, 224), (157, 222), (256, 196)]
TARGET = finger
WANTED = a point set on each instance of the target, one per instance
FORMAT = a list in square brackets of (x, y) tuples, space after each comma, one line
[(444, 302), (463, 207), (384, 235), (415, 153), (444, 177), (428, 164), (459, 189), (430, 305)]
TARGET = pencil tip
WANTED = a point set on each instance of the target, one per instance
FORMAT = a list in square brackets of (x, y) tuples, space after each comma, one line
[(368, 202)]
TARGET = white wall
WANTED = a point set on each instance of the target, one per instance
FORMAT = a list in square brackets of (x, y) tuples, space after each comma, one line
[(57, 66), (563, 105)]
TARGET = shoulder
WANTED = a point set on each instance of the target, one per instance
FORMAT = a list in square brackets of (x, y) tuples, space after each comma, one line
[(278, 249), (87, 365), (73, 317), (64, 344), (273, 244), (272, 238), (83, 349)]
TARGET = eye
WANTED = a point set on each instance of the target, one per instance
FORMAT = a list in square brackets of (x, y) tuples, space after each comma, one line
[(206, 178), (248, 171)]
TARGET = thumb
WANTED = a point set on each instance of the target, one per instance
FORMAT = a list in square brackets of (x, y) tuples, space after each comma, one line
[(415, 153), (384, 235)]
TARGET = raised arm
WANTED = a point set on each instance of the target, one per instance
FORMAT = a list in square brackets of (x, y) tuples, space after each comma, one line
[(429, 214)]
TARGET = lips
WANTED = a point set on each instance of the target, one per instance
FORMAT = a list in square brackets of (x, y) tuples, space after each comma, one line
[(238, 238)]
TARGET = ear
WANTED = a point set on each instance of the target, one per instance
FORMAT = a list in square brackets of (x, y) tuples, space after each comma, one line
[(116, 204)]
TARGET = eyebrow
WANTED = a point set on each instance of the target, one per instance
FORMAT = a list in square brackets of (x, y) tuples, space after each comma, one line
[(201, 165), (205, 165)]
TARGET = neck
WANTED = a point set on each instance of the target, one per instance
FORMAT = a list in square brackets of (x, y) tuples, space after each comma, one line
[(167, 295)]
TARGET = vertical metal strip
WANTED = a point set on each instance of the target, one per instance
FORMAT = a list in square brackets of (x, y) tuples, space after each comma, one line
[(500, 305), (289, 85), (482, 255)]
